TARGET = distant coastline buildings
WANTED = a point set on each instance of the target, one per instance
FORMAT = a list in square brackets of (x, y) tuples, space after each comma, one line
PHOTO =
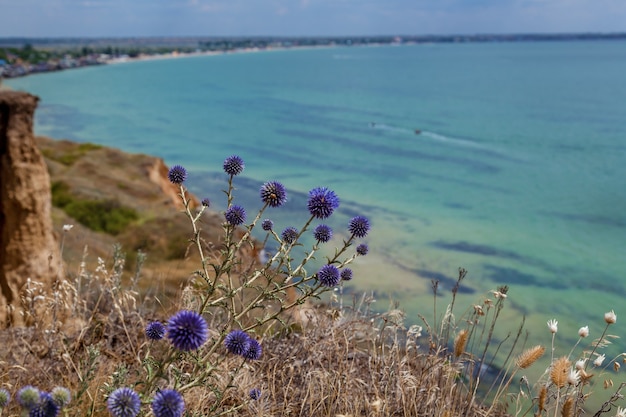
[(23, 56)]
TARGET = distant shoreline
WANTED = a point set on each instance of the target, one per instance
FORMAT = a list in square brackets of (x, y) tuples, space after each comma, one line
[(70, 53)]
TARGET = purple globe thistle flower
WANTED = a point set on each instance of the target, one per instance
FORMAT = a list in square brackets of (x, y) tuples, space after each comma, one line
[(323, 233), (124, 402), (5, 397), (359, 226), (290, 234), (273, 193), (28, 396), (322, 202), (168, 403), (155, 330), (254, 350), (45, 407), (328, 275), (346, 274), (177, 174), (362, 249), (235, 215), (61, 396), (233, 165), (206, 202), (187, 330), (267, 225), (237, 342), (255, 394)]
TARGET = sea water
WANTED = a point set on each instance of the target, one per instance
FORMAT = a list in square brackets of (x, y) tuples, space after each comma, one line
[(517, 173)]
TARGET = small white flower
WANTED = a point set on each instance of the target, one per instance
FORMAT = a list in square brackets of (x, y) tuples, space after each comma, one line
[(498, 294), (583, 331), (67, 227), (574, 377), (621, 412), (598, 361), (553, 325), (580, 364), (610, 317)]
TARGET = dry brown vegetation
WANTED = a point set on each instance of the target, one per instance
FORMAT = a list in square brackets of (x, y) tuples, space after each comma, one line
[(337, 358)]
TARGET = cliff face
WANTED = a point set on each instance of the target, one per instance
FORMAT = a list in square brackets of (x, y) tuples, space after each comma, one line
[(28, 248)]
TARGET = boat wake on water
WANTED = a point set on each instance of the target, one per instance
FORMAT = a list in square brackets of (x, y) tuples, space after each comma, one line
[(437, 137)]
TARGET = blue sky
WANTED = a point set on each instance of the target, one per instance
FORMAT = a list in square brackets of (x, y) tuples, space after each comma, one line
[(56, 18)]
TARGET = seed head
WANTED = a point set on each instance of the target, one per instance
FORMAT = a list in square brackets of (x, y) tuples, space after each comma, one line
[(610, 317), (598, 361), (529, 356), (553, 326), (583, 331), (559, 371)]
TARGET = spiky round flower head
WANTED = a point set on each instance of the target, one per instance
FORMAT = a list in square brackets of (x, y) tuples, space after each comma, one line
[(233, 165), (168, 403), (323, 233), (206, 202), (583, 331), (5, 397), (362, 249), (290, 234), (124, 402), (61, 396), (254, 350), (28, 396), (235, 215), (273, 193), (328, 275), (45, 407), (267, 225), (155, 330), (346, 274), (610, 317), (322, 202), (177, 174), (237, 342), (359, 226), (187, 330), (255, 394)]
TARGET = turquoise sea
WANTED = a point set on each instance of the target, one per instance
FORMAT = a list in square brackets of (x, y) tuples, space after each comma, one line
[(518, 174)]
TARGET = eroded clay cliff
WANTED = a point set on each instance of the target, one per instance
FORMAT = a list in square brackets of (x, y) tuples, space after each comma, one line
[(28, 248)]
